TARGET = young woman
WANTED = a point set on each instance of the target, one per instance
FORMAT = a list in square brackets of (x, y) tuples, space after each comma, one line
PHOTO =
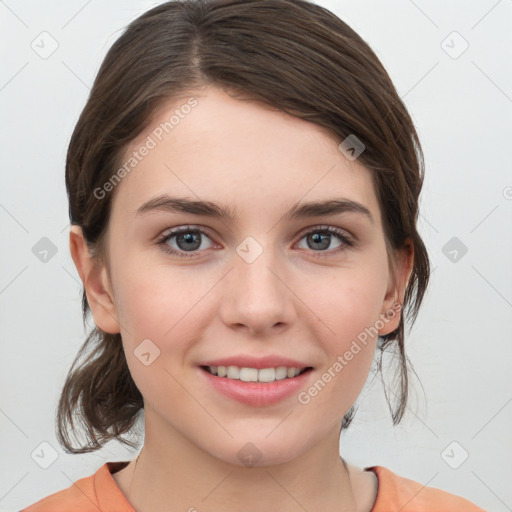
[(243, 186)]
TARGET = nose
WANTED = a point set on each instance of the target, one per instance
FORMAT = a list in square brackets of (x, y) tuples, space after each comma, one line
[(258, 296)]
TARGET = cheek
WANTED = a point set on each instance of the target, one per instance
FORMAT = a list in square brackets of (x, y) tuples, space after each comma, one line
[(157, 300), (168, 308), (349, 345), (350, 303), (160, 309), (348, 311)]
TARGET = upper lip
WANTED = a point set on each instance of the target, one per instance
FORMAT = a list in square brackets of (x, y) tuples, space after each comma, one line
[(246, 361)]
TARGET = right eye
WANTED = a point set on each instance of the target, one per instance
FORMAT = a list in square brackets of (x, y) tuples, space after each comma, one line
[(186, 239)]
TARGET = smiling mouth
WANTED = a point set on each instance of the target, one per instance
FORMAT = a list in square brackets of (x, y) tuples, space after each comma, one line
[(266, 375)]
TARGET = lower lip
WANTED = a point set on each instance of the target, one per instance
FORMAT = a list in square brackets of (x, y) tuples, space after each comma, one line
[(257, 394)]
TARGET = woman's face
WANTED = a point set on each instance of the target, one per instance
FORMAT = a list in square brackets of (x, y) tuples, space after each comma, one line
[(261, 284)]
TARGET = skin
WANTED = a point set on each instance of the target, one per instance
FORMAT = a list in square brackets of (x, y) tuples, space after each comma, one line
[(294, 300)]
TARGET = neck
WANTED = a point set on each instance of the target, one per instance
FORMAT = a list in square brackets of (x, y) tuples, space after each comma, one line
[(175, 471)]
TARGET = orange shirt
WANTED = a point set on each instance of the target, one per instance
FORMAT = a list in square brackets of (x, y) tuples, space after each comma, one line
[(99, 492)]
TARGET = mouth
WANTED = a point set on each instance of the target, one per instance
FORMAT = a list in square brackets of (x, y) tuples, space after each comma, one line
[(261, 383), (262, 375)]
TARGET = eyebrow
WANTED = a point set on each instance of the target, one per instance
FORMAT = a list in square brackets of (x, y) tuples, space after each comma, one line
[(166, 203)]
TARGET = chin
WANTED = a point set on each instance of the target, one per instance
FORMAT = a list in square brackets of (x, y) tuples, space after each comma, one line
[(258, 453)]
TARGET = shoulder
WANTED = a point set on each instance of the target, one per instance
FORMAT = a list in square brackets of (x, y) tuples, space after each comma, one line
[(396, 492), (89, 494)]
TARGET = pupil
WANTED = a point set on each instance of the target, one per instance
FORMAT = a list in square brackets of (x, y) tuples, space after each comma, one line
[(190, 239), (318, 238)]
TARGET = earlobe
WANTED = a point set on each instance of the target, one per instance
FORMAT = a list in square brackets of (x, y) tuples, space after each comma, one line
[(394, 300), (94, 276)]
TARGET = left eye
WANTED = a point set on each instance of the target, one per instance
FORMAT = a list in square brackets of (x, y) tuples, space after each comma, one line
[(188, 240), (322, 237)]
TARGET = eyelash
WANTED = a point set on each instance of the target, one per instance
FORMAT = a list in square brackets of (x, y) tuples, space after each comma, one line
[(347, 242)]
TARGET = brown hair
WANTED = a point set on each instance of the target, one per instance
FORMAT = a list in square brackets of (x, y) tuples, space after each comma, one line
[(290, 54)]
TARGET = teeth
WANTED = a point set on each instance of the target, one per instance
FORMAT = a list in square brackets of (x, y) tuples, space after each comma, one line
[(246, 374), (281, 372), (233, 372), (253, 374), (264, 375)]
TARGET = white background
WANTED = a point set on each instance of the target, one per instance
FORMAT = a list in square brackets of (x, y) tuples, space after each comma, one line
[(461, 344)]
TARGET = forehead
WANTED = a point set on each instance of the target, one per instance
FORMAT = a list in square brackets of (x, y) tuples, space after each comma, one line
[(213, 146)]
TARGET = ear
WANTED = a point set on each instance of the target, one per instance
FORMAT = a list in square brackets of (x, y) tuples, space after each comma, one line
[(394, 299), (95, 279)]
